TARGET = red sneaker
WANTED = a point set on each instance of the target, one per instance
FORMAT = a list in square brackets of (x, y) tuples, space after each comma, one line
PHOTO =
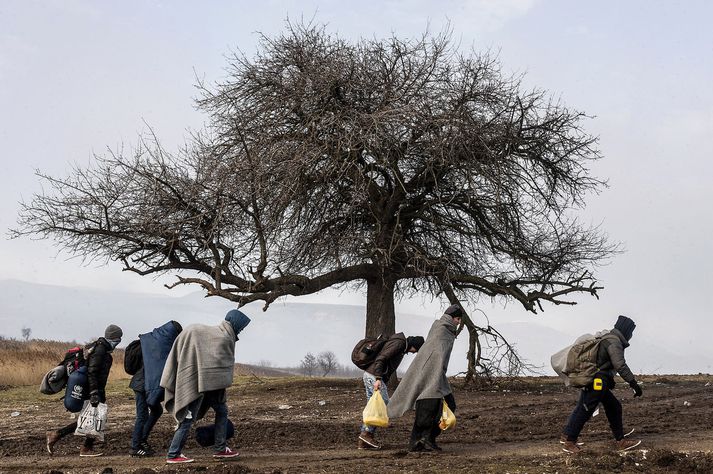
[(225, 453), (180, 459)]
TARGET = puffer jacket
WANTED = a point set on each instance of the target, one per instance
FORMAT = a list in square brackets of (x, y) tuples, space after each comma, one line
[(610, 356), (389, 358), (99, 362)]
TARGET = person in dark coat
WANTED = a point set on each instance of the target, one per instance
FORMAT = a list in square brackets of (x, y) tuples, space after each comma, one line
[(148, 394), (610, 360), (377, 375), (425, 385), (99, 360)]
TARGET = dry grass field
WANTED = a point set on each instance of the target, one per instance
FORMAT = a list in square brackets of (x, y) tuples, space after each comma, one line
[(25, 363)]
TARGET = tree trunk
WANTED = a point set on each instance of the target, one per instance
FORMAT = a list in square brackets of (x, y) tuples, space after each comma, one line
[(380, 314)]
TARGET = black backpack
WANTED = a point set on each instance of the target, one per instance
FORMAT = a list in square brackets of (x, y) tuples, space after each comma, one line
[(133, 359), (366, 350)]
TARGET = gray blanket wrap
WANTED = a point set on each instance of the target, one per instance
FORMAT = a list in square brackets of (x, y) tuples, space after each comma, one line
[(201, 360), (426, 376)]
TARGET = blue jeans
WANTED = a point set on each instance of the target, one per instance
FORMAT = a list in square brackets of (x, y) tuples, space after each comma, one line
[(369, 386), (146, 418), (214, 400)]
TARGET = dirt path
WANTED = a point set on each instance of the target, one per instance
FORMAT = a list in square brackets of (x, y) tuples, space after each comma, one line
[(513, 428)]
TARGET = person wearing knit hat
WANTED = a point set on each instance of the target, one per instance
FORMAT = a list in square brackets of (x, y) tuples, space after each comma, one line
[(610, 361), (113, 333), (98, 360), (378, 373)]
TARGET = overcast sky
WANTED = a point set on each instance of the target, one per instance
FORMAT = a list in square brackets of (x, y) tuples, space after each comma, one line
[(79, 76)]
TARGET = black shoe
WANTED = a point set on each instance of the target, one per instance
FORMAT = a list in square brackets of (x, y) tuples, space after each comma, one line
[(140, 453), (416, 447), (422, 445), (431, 445), (147, 447)]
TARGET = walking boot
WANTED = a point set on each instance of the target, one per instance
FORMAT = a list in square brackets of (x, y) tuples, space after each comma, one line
[(368, 440), (571, 447), (52, 438), (627, 444)]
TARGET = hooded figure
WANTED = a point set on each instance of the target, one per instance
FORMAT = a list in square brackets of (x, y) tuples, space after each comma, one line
[(198, 370), (426, 376), (155, 347), (201, 360), (148, 394), (610, 361), (425, 384)]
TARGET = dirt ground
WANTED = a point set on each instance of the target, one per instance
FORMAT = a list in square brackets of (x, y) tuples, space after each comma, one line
[(512, 427)]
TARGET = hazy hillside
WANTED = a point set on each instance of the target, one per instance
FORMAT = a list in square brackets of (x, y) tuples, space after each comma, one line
[(283, 334)]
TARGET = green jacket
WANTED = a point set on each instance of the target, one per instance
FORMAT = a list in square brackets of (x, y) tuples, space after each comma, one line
[(610, 357)]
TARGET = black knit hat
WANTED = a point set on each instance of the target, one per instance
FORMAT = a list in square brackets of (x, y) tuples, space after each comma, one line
[(414, 341), (113, 332), (625, 326), (454, 311)]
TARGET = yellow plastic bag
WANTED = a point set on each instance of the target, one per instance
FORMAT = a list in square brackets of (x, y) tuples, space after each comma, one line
[(448, 419), (375, 411)]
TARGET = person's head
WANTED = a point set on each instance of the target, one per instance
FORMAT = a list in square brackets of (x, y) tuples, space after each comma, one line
[(625, 326), (177, 326), (455, 312), (238, 320), (413, 343), (113, 335)]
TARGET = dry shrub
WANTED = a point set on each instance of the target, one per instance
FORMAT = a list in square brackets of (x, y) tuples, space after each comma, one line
[(26, 362)]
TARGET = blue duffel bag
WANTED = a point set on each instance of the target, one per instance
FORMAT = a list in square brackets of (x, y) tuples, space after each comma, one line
[(77, 390)]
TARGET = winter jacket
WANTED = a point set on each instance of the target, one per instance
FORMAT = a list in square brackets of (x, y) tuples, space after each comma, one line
[(389, 358), (610, 356), (155, 347), (137, 381), (99, 362), (426, 376)]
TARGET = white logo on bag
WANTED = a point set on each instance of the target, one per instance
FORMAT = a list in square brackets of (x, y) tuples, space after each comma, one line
[(77, 392)]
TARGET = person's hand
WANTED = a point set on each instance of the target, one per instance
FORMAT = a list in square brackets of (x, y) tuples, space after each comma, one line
[(636, 388), (377, 385), (94, 398)]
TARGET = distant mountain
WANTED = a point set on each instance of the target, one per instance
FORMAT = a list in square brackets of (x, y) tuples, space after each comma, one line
[(283, 334)]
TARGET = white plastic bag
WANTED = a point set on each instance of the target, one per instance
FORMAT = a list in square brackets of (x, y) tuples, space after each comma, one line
[(91, 421)]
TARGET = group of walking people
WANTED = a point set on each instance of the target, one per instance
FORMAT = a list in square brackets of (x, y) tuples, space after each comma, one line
[(425, 387), (186, 371)]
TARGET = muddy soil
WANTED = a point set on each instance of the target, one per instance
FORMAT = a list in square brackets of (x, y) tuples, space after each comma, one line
[(513, 427)]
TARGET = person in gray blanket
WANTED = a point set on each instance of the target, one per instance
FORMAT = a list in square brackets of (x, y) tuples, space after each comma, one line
[(425, 385), (198, 370), (155, 347)]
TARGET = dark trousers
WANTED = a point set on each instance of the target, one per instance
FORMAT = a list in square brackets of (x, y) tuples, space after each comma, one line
[(587, 403), (146, 418), (428, 415), (69, 429)]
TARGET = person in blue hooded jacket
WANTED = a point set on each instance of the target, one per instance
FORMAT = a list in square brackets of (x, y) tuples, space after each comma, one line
[(155, 347)]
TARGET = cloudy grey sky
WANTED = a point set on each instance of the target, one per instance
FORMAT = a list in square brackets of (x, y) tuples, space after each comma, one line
[(78, 76)]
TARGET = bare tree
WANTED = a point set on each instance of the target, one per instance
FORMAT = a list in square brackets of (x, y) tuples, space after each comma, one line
[(400, 165), (309, 365), (327, 361), (26, 333)]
